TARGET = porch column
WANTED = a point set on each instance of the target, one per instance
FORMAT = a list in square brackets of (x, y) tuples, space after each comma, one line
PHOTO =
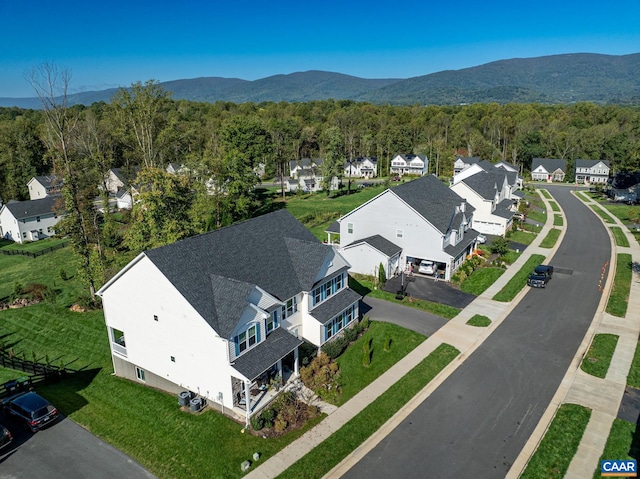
[(295, 362), (247, 395), (280, 370)]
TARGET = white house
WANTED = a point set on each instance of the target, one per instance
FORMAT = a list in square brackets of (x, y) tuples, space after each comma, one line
[(461, 163), (422, 218), (592, 171), (43, 186), (409, 165), (30, 220), (361, 167), (490, 193), (223, 313), (306, 175), (548, 169)]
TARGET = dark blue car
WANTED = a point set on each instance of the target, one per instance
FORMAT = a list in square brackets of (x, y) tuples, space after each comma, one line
[(32, 409)]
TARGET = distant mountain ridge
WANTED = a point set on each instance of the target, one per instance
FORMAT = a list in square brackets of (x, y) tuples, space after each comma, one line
[(550, 79)]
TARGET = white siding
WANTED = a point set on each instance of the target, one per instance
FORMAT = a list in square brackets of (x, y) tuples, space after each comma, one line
[(20, 230), (365, 259), (201, 359)]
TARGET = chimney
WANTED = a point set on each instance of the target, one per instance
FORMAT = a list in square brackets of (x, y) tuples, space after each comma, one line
[(463, 205)]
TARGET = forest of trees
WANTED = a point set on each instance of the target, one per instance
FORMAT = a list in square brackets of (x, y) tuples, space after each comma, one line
[(221, 143)]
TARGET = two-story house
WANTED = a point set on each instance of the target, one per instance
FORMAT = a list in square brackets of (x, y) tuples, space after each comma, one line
[(223, 313), (419, 220), (592, 171), (548, 169), (461, 163), (409, 165), (29, 220), (43, 186), (490, 193), (366, 167)]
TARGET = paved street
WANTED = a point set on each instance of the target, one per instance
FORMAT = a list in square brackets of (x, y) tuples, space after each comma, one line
[(478, 420)]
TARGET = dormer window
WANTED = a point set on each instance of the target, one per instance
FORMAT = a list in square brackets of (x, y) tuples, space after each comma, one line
[(247, 338)]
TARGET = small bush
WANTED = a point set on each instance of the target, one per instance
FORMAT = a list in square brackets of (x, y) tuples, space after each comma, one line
[(350, 335), (257, 422), (267, 416), (335, 347), (382, 275), (387, 344), (322, 376), (36, 291), (281, 424), (366, 353)]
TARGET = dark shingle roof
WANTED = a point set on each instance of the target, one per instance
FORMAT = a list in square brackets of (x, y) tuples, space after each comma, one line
[(624, 180), (30, 208), (486, 183), (275, 252), (257, 360), (503, 209), (333, 228), (468, 239), (590, 163), (432, 199), (549, 164), (468, 160), (381, 244), (49, 181), (486, 165), (328, 310)]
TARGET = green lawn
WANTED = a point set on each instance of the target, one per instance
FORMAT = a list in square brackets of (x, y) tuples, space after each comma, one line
[(619, 297), (523, 237), (546, 194), (607, 218), (519, 280), (480, 280), (549, 241), (554, 206), (621, 238), (596, 361), (354, 376), (538, 216), (622, 444), (341, 443), (365, 287), (633, 379), (479, 321), (558, 220), (33, 246), (560, 443)]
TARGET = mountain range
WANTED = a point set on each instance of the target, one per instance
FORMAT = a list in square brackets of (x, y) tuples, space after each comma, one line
[(551, 79)]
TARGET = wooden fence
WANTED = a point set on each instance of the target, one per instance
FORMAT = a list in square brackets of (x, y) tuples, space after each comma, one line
[(34, 254)]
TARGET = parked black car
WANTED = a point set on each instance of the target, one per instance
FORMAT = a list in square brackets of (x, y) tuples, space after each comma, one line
[(540, 276), (5, 437), (30, 408)]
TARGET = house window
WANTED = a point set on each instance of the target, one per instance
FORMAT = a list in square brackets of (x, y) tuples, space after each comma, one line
[(247, 338), (40, 230), (24, 234), (290, 308), (350, 228), (155, 317), (327, 289), (339, 322), (399, 233), (139, 374), (273, 322), (48, 229)]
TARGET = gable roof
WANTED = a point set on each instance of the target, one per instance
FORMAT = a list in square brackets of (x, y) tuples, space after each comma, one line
[(625, 179), (549, 164), (487, 182), (383, 245), (30, 208), (48, 181), (505, 165), (468, 160), (433, 200), (274, 251), (591, 163)]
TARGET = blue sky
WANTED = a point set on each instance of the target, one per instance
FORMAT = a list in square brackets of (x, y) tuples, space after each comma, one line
[(115, 43)]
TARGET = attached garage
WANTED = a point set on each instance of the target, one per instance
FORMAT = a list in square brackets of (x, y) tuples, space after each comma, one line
[(365, 256)]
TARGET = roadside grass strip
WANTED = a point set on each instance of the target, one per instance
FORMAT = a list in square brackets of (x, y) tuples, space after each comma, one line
[(365, 288), (619, 297), (633, 379), (621, 238), (606, 217), (546, 194), (539, 216), (558, 220), (622, 444), (549, 241), (354, 376), (554, 206), (345, 440), (560, 443), (519, 280), (523, 237), (597, 360), (479, 321), (480, 280)]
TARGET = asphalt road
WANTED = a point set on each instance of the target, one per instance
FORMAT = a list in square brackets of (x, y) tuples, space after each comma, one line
[(64, 450), (476, 423)]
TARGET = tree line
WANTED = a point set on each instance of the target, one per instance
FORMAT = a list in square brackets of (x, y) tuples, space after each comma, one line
[(220, 144)]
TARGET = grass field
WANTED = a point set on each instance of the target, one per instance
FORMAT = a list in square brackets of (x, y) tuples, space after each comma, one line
[(633, 379), (607, 218), (523, 237), (558, 220), (538, 216), (619, 297), (519, 280), (549, 241), (546, 194), (479, 321), (560, 443), (620, 237), (597, 360), (554, 206), (480, 280)]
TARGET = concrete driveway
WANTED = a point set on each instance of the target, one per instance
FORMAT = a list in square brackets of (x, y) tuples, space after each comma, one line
[(64, 450)]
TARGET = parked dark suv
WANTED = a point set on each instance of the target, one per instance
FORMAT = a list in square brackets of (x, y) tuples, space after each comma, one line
[(32, 409), (540, 276)]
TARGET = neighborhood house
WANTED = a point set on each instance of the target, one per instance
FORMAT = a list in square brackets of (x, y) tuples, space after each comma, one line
[(409, 165), (43, 186), (222, 314), (30, 220), (592, 171), (548, 169)]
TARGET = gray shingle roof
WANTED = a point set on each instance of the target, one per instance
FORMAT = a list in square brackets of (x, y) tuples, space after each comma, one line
[(468, 160), (49, 181), (333, 228), (549, 164), (486, 165), (466, 241), (433, 200), (381, 244), (30, 208), (274, 251), (257, 360), (486, 183), (503, 209), (590, 163), (328, 310)]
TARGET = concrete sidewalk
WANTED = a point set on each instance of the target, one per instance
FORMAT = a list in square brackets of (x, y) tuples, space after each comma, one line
[(456, 333)]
